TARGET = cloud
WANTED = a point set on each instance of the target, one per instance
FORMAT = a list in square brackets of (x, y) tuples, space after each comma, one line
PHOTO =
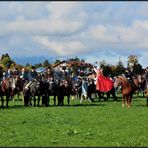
[(42, 26), (61, 47), (61, 9), (93, 29)]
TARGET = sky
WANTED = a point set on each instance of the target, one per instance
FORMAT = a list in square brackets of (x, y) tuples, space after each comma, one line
[(91, 30)]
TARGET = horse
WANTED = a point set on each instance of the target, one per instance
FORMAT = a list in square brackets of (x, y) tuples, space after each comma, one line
[(91, 89), (33, 90), (52, 89), (142, 84), (17, 86), (6, 90), (64, 89), (128, 88)]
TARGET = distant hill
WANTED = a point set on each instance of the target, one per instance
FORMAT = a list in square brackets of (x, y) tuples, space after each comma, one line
[(32, 60)]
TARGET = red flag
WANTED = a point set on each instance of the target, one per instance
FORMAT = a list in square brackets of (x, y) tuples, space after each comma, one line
[(104, 84)]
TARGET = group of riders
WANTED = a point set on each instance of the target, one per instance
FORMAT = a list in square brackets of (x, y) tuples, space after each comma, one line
[(100, 83)]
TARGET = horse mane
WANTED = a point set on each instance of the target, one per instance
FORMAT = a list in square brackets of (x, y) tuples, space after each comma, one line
[(124, 80)]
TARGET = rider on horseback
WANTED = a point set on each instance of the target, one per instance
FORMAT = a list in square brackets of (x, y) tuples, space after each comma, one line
[(24, 74), (7, 74), (32, 75), (129, 75)]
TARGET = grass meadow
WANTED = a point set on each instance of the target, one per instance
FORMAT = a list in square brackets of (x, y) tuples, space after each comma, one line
[(87, 124)]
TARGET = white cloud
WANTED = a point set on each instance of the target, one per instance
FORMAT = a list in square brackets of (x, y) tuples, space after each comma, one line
[(66, 47), (61, 9), (74, 28), (41, 26)]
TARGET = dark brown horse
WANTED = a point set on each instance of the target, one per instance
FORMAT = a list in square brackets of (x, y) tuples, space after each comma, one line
[(142, 84), (6, 89), (20, 82), (64, 89), (128, 88)]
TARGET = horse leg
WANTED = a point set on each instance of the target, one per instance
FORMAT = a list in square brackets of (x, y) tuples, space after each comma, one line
[(59, 101), (89, 97), (123, 97), (127, 100), (18, 96), (47, 100), (100, 96), (38, 101), (114, 95), (34, 99), (130, 98), (7, 100), (62, 100), (2, 99), (43, 100), (108, 96), (68, 100), (30, 100), (26, 100)]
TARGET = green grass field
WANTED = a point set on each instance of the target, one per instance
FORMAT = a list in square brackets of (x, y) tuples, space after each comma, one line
[(86, 124)]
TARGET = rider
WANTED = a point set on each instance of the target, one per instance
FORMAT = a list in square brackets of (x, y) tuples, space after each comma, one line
[(7, 74), (32, 75), (15, 72), (129, 75), (49, 73), (24, 74)]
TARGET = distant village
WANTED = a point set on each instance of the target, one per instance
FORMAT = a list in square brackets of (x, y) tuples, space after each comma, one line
[(76, 66)]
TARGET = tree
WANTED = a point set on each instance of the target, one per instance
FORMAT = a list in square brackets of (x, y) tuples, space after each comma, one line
[(107, 70), (6, 60), (45, 63), (102, 63), (57, 61), (120, 68), (38, 65)]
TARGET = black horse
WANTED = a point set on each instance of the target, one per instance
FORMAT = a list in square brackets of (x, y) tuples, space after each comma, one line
[(64, 89), (91, 89), (52, 89)]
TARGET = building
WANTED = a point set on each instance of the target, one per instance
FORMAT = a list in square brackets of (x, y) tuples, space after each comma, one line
[(73, 66)]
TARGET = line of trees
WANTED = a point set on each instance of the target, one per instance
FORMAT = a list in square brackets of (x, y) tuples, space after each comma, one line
[(113, 70)]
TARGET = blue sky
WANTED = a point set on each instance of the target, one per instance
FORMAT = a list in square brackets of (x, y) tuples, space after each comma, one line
[(94, 31)]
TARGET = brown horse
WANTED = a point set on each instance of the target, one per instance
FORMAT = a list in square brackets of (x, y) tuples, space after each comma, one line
[(6, 88), (128, 88)]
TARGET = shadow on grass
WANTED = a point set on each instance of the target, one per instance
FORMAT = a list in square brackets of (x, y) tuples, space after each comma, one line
[(142, 105), (83, 105), (14, 107)]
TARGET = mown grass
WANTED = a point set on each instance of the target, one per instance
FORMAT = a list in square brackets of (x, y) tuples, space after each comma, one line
[(86, 124)]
